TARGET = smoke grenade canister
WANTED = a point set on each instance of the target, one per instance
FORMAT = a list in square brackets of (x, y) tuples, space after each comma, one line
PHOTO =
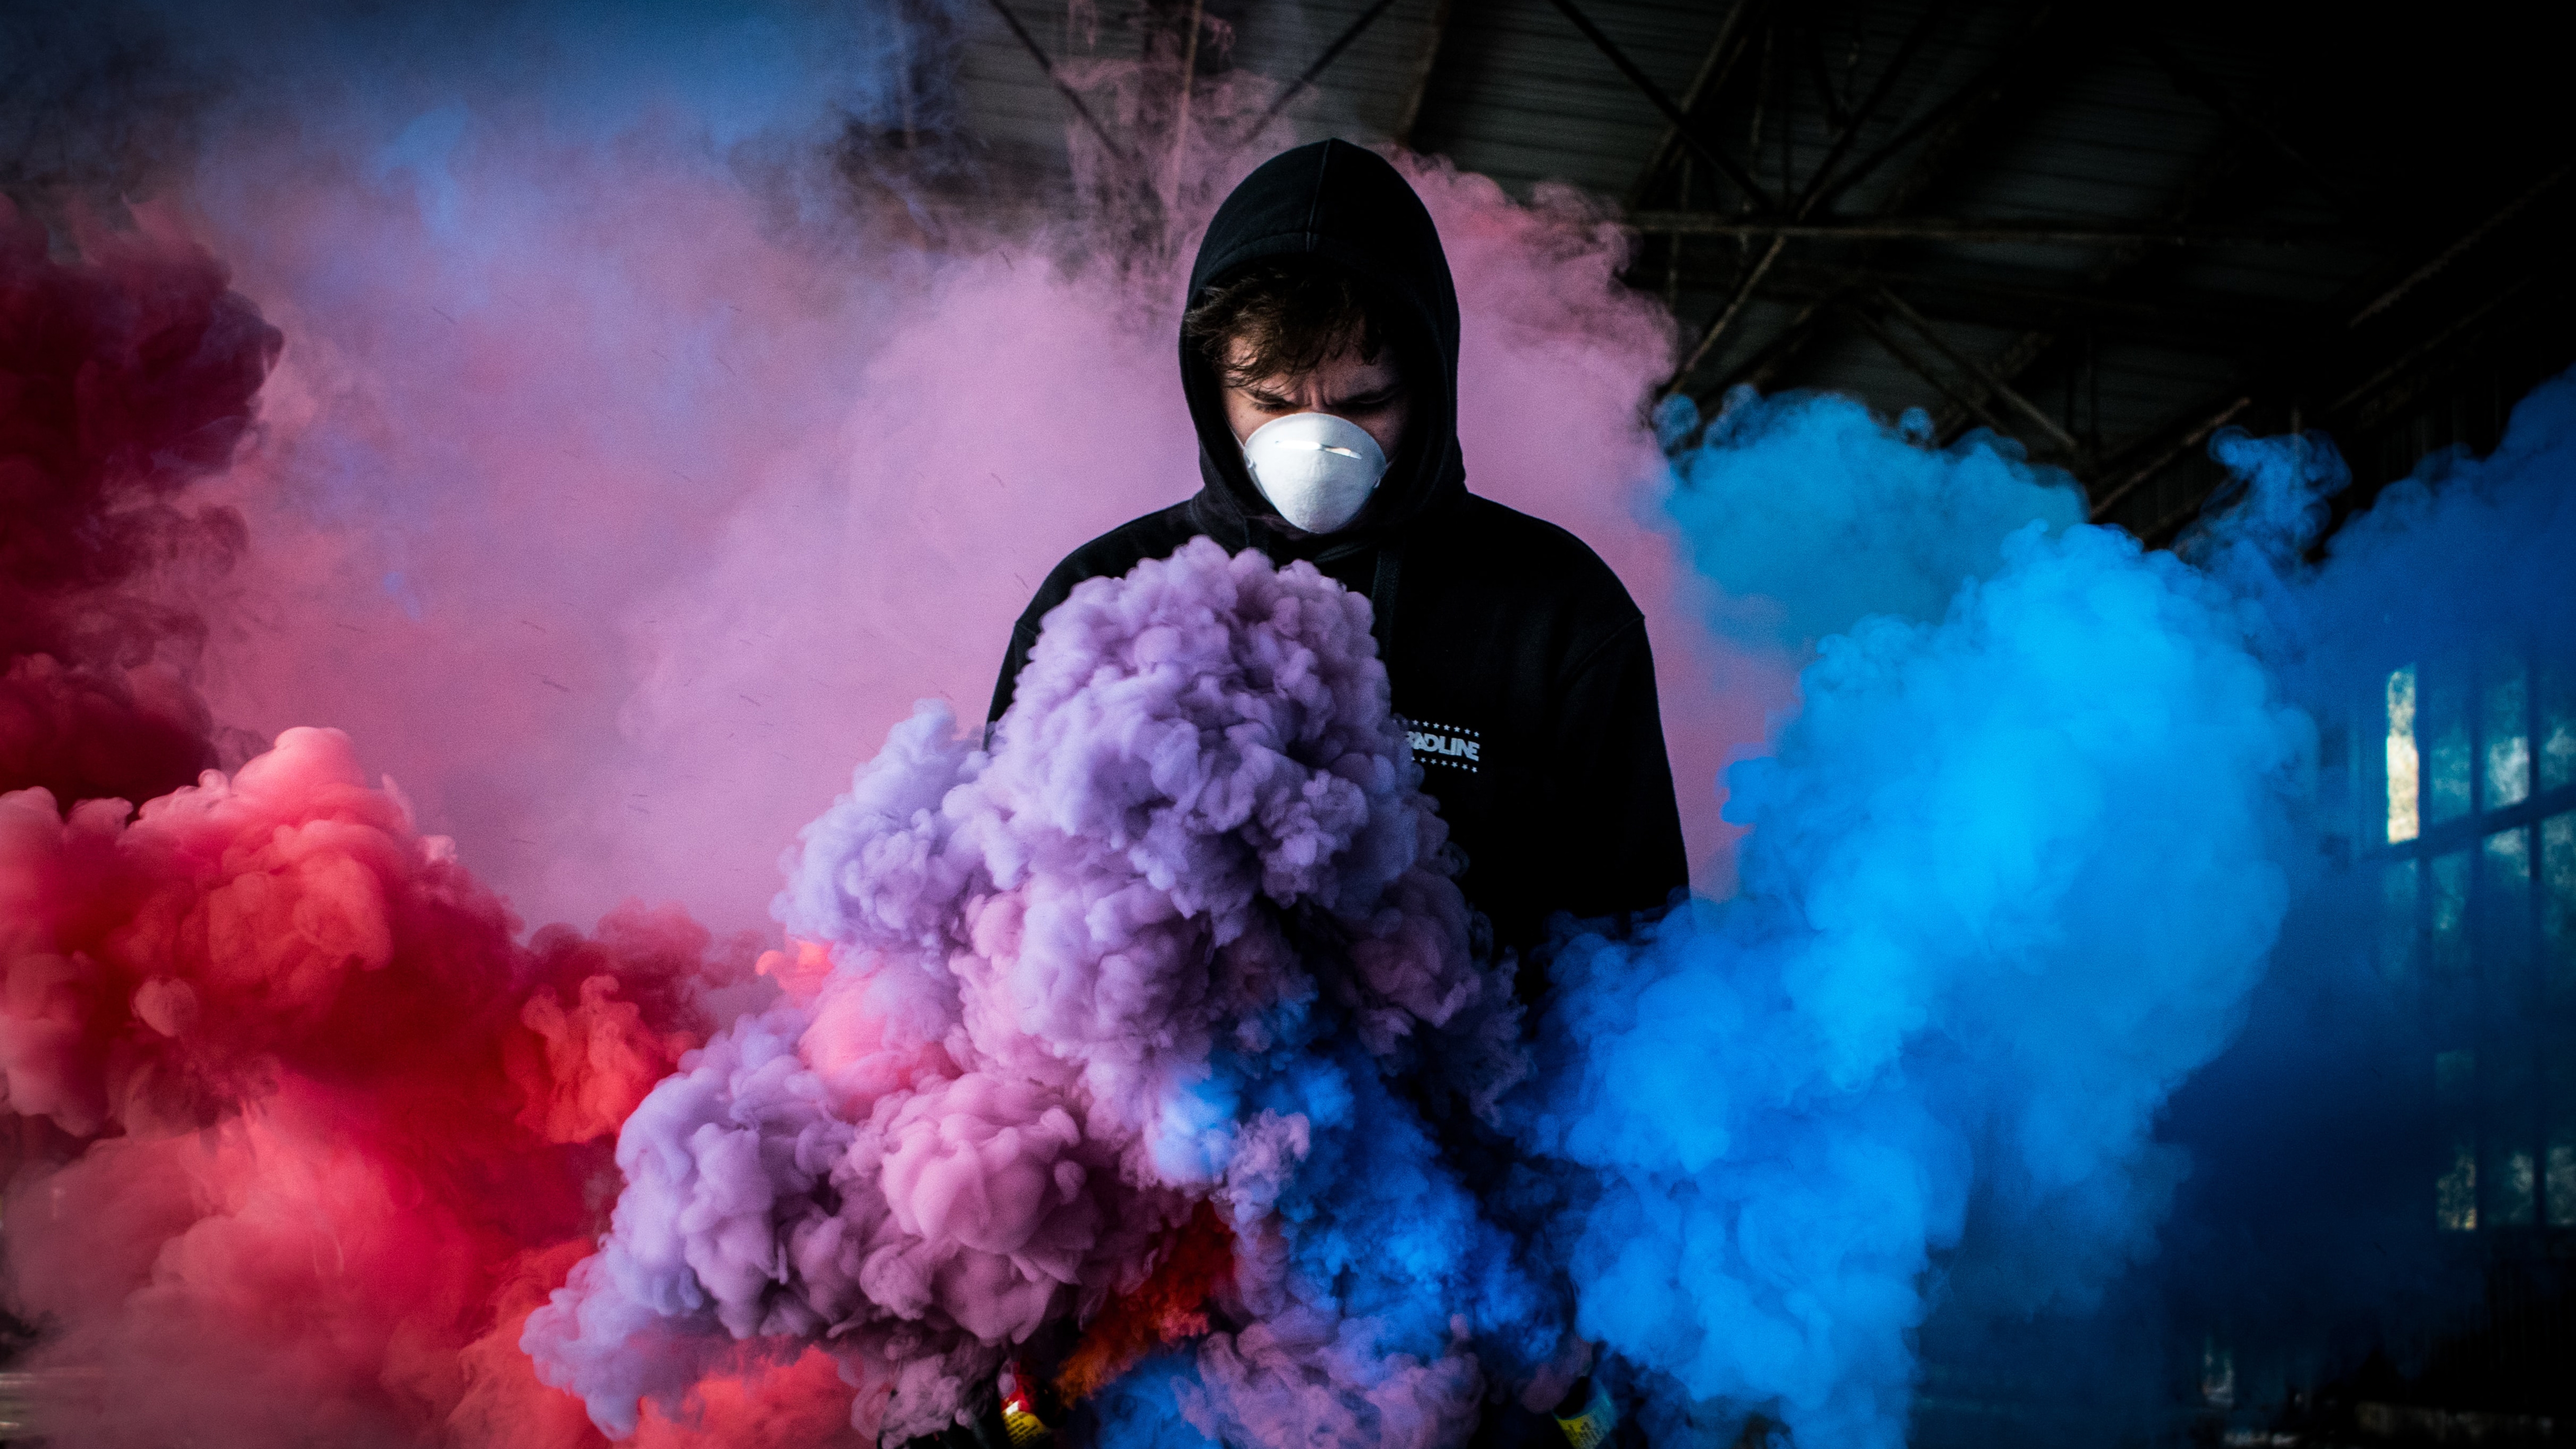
[(1586, 1416), (1020, 1418)]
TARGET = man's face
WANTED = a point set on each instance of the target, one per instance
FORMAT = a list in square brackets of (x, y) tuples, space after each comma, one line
[(1371, 394)]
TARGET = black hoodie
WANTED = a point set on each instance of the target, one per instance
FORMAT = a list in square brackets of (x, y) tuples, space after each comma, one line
[(1517, 660)]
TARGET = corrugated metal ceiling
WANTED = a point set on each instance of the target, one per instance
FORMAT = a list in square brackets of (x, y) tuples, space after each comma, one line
[(2227, 187)]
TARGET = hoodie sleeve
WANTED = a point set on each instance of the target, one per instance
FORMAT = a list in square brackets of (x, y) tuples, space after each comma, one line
[(1024, 637), (1110, 554), (1617, 821)]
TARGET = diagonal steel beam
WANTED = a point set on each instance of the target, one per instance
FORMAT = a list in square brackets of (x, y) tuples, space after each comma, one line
[(1952, 112), (1765, 361), (1736, 302), (1995, 386), (1813, 196), (1435, 35), (1332, 52), (2211, 94), (2175, 441), (1916, 364), (2326, 360), (1849, 130), (1645, 84), (2124, 266), (2451, 253), (1072, 98), (2457, 325), (1942, 130), (1715, 69)]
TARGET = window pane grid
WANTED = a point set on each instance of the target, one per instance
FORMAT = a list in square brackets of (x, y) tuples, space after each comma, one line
[(2474, 795)]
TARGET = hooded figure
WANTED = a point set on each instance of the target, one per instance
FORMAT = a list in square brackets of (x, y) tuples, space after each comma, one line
[(1518, 662)]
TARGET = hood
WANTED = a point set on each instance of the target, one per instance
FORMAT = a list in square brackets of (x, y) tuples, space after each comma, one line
[(1335, 201)]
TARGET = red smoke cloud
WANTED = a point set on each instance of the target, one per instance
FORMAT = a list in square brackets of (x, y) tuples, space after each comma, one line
[(331, 1120), (122, 380), (305, 1127)]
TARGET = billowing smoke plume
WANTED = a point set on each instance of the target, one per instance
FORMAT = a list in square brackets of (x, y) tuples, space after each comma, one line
[(305, 1063), (1184, 935), (1994, 1046), (2013, 878), (2364, 1156), (2010, 875), (296, 1117), (128, 377), (1811, 514)]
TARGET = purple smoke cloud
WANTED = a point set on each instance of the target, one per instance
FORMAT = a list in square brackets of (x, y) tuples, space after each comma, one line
[(1169, 940)]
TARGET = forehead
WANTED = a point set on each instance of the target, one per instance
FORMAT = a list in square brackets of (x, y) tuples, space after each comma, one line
[(1248, 336), (1342, 362)]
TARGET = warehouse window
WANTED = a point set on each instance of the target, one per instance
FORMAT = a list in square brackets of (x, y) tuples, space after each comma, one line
[(2402, 821), (2478, 911)]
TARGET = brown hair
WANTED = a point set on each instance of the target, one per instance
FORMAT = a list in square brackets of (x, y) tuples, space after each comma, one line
[(1291, 316)]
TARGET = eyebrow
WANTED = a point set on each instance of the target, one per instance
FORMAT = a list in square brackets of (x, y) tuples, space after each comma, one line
[(1267, 398)]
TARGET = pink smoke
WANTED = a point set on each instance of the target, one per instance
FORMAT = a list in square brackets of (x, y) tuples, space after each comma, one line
[(618, 516)]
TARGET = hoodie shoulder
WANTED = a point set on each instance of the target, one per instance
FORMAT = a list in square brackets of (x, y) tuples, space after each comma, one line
[(1534, 580), (1540, 556), (1111, 555)]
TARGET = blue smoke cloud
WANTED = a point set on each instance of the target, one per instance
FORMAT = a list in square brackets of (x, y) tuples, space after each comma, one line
[(2011, 875), (1812, 513), (2368, 1153), (2077, 1052), (1142, 1409)]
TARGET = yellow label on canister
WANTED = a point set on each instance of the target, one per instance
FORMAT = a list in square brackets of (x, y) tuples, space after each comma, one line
[(1020, 1413), (1023, 1426), (1591, 1428)]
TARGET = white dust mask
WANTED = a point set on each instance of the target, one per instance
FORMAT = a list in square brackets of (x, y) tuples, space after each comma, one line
[(1315, 468)]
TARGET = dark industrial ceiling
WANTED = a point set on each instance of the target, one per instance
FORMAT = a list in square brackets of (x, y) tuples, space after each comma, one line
[(2103, 231)]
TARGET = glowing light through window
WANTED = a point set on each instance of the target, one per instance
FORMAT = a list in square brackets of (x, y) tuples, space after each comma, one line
[(2477, 903), (2404, 823), (2508, 744), (2557, 726), (2442, 729)]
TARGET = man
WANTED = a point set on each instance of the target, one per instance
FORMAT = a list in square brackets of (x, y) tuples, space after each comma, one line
[(1322, 318)]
